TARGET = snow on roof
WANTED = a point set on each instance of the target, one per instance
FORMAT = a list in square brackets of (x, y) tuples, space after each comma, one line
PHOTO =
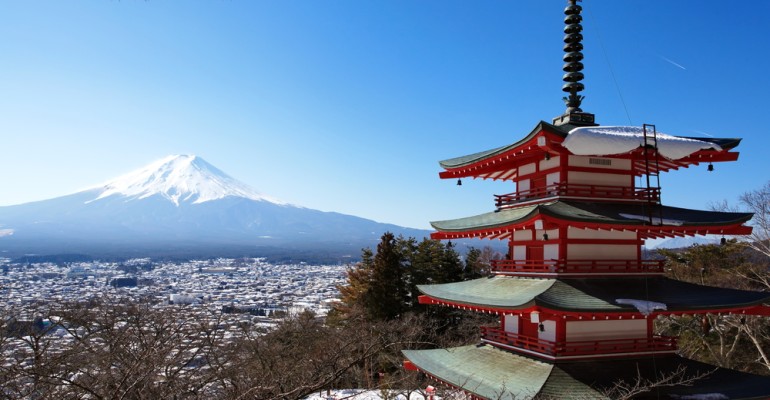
[(644, 306), (703, 396), (606, 140)]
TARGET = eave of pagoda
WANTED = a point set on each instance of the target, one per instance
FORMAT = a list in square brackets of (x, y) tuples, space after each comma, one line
[(644, 231), (664, 164), (488, 372), (592, 299), (549, 313), (667, 221), (503, 163), (545, 140)]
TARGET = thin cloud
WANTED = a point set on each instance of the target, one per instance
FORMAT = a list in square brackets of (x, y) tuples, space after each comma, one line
[(672, 62)]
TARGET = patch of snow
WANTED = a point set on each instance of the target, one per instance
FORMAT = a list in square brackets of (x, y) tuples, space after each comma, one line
[(644, 306), (360, 394), (704, 396), (655, 220), (681, 242), (180, 178), (604, 140)]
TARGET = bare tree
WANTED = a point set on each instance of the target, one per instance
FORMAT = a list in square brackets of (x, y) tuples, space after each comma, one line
[(623, 390), (758, 202), (727, 340)]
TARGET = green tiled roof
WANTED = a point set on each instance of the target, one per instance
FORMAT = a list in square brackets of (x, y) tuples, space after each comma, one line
[(498, 291), (619, 213), (488, 220), (486, 371), (564, 296), (606, 213), (600, 294), (471, 158), (493, 373), (560, 385), (597, 295)]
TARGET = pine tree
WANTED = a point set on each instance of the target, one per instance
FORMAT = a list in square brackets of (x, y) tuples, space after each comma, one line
[(384, 284), (387, 294), (473, 265), (377, 285), (353, 294)]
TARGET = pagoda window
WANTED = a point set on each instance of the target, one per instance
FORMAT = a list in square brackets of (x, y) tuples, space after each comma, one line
[(511, 323), (604, 251), (601, 330), (599, 179), (609, 245), (522, 235), (552, 179), (519, 253), (547, 330), (523, 185), (600, 163), (578, 233), (527, 169), (553, 162), (551, 252)]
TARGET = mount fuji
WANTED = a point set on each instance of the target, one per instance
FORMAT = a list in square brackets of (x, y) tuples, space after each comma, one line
[(182, 206)]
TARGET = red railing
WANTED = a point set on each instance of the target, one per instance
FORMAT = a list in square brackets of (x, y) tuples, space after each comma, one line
[(574, 190), (578, 266), (580, 348)]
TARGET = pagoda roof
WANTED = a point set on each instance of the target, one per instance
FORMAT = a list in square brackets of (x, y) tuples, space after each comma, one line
[(475, 157), (598, 295), (502, 162), (491, 373), (668, 221)]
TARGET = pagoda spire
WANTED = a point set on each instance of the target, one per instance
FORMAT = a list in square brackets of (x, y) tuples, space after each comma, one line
[(573, 55), (573, 67)]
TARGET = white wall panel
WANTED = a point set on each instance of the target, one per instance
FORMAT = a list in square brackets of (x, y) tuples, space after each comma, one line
[(615, 329)]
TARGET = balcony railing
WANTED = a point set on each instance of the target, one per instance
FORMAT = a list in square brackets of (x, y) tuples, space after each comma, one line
[(583, 348), (578, 266), (582, 191)]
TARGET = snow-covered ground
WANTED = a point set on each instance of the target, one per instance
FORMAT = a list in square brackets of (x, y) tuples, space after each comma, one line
[(361, 394)]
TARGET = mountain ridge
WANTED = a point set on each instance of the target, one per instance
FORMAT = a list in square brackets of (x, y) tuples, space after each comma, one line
[(182, 204), (186, 177)]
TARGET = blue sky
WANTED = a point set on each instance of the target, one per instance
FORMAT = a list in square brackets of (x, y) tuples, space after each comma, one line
[(348, 105)]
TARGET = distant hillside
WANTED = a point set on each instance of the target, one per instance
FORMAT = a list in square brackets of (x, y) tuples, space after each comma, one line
[(183, 207)]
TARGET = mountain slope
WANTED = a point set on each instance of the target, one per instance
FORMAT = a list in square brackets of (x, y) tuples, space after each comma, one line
[(179, 178), (181, 204)]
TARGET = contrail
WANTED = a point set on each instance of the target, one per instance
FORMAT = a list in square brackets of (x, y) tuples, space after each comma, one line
[(672, 63), (702, 133)]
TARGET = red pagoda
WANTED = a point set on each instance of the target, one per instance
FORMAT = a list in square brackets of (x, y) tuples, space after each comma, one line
[(575, 297)]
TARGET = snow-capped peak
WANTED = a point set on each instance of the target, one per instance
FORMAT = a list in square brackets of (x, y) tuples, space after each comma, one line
[(180, 179)]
